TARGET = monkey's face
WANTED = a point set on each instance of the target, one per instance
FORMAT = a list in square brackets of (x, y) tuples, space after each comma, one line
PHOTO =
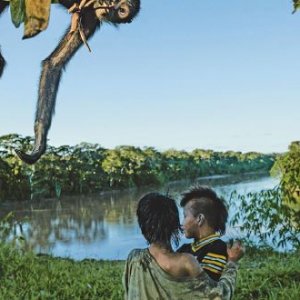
[(118, 11)]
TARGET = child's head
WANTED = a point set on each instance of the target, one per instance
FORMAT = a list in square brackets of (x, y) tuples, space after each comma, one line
[(203, 206), (158, 218)]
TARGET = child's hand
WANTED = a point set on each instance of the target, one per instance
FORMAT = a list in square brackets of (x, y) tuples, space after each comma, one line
[(235, 251)]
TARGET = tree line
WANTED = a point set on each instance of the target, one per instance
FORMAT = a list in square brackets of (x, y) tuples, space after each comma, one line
[(90, 168)]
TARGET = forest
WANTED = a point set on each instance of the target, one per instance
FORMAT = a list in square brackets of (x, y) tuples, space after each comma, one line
[(90, 168)]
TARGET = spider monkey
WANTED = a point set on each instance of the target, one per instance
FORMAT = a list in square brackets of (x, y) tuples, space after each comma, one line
[(91, 18)]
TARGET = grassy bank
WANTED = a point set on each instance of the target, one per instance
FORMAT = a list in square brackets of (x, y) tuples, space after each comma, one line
[(263, 275), (268, 275)]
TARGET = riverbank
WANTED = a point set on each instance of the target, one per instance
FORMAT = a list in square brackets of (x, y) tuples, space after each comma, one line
[(263, 274)]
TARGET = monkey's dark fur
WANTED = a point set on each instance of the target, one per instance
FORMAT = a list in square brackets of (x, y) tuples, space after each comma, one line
[(54, 64), (3, 5)]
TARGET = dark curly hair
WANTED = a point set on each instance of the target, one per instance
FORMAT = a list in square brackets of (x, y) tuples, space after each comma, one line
[(158, 218), (207, 202)]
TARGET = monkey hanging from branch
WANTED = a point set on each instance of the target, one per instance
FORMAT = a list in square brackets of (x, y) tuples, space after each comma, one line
[(87, 16)]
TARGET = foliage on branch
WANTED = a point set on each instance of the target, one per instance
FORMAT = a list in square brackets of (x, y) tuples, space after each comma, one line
[(266, 216), (287, 167), (296, 5), (274, 212)]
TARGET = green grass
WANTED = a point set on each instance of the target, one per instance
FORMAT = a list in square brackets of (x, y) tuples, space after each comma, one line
[(267, 275), (263, 275), (27, 276)]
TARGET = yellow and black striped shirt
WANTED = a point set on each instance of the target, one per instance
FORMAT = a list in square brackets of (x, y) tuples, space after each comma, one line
[(211, 252)]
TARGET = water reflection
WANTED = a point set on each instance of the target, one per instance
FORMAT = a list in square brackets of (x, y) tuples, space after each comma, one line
[(103, 226)]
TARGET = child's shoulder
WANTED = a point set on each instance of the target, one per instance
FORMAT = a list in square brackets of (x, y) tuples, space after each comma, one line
[(219, 243), (219, 246)]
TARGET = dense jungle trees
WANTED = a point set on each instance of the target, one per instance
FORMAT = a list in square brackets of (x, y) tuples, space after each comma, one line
[(89, 168)]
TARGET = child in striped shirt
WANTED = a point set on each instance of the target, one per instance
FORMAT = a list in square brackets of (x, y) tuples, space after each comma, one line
[(205, 217)]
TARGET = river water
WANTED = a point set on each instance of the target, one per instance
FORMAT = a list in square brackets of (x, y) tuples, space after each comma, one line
[(104, 226)]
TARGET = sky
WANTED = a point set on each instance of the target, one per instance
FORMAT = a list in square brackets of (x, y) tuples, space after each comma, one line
[(221, 75)]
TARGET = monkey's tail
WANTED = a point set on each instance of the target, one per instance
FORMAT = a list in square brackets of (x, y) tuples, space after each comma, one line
[(52, 68), (48, 87)]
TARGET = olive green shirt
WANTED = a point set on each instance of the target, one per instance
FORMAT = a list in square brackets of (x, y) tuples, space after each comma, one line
[(144, 279)]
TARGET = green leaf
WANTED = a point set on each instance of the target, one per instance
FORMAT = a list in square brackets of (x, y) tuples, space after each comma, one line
[(296, 5), (17, 11)]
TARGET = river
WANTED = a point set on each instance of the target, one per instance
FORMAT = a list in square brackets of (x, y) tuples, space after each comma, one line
[(104, 226)]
